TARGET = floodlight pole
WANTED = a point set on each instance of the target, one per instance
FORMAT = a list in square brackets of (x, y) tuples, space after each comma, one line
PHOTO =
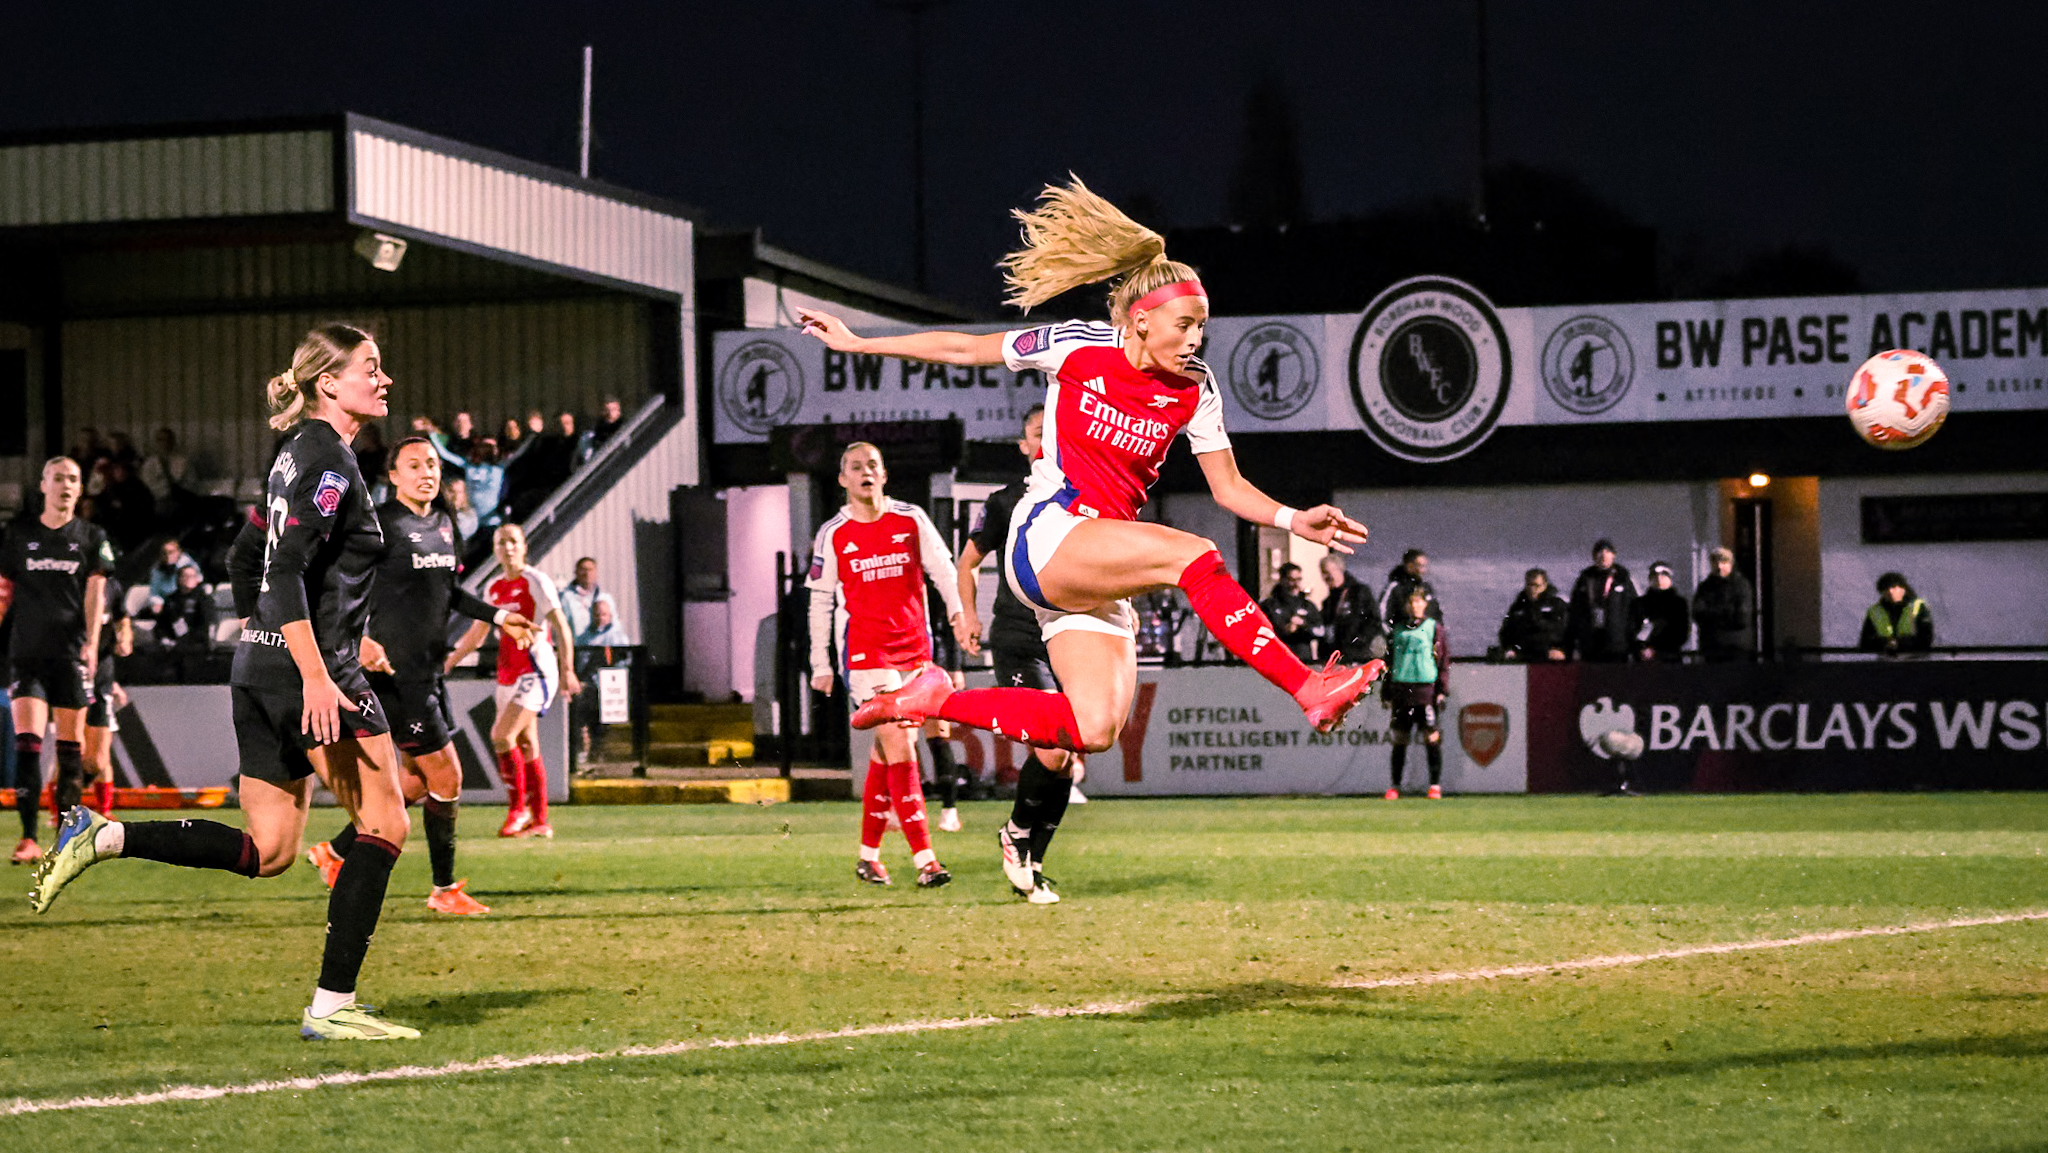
[(583, 143), (1485, 126)]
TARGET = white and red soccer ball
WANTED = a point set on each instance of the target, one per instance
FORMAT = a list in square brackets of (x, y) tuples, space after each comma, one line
[(1898, 399)]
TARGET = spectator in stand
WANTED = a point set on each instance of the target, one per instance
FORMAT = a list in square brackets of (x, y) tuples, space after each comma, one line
[(184, 626), (1294, 616), (512, 436), (124, 508), (614, 420), (1351, 619), (163, 575), (581, 596), (1403, 579), (1724, 607), (1899, 622), (580, 445), (167, 473), (550, 460), (463, 436), (1537, 623), (1662, 624), (88, 450), (596, 643), (424, 426), (455, 490), (120, 448), (1603, 609), (482, 473)]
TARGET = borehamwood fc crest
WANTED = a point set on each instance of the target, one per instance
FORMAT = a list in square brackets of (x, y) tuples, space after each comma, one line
[(760, 385), (1430, 369)]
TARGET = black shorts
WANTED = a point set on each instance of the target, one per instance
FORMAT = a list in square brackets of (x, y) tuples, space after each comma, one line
[(271, 741), (60, 681), (1023, 671), (1414, 706), (417, 712)]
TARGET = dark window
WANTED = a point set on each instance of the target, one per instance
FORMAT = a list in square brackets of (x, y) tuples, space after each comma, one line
[(13, 402), (1966, 516)]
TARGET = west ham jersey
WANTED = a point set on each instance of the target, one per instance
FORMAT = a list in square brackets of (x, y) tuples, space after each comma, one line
[(874, 571), (531, 594), (49, 568), (418, 584), (1107, 424), (320, 545)]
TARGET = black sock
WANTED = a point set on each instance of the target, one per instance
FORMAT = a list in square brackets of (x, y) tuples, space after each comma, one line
[(192, 845), (1435, 752), (1400, 759), (341, 842), (440, 822), (352, 911), (1058, 792), (70, 776), (945, 773), (28, 780)]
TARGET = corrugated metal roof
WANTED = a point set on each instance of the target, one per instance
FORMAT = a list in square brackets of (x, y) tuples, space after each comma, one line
[(167, 178)]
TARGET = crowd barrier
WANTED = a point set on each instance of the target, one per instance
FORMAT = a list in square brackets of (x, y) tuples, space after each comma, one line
[(183, 737), (1870, 725)]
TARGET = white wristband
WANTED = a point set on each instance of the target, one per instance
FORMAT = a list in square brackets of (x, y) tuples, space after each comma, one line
[(1283, 518), (498, 618)]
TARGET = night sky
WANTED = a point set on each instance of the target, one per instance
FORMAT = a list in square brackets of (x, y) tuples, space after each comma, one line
[(1908, 139)]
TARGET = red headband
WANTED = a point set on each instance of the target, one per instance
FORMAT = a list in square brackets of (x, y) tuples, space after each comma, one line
[(1159, 296)]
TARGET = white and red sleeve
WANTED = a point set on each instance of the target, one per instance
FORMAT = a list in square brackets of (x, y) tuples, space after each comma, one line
[(1205, 427), (823, 581), (1047, 347)]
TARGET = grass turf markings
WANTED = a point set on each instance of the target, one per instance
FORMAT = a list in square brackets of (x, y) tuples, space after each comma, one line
[(1097, 1009)]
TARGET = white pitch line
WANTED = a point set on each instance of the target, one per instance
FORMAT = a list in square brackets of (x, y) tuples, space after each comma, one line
[(22, 1106)]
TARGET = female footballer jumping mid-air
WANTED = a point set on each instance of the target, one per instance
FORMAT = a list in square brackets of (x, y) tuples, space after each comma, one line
[(303, 580), (1116, 396), (418, 585)]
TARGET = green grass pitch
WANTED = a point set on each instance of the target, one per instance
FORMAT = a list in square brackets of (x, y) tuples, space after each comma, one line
[(1236, 921)]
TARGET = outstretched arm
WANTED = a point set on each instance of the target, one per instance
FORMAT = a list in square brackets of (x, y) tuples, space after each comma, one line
[(1324, 524), (942, 347)]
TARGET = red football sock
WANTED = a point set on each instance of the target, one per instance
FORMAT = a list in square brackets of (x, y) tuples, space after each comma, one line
[(1237, 621), (512, 770), (537, 789), (874, 809), (103, 797), (1032, 716), (908, 793)]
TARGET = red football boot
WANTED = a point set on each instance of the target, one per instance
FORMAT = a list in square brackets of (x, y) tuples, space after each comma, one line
[(1330, 692), (326, 861), (920, 697)]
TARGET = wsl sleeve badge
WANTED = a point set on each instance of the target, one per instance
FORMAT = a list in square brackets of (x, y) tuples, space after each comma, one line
[(328, 493)]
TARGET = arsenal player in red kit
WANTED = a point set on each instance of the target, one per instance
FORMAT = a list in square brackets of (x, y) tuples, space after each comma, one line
[(1117, 395), (868, 567)]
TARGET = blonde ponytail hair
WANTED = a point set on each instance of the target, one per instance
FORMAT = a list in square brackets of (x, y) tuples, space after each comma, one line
[(1075, 237), (326, 349)]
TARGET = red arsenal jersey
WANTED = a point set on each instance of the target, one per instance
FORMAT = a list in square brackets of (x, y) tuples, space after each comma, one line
[(532, 595), (874, 571), (1108, 424)]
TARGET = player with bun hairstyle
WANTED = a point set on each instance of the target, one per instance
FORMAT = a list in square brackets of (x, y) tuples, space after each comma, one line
[(1116, 396), (302, 579)]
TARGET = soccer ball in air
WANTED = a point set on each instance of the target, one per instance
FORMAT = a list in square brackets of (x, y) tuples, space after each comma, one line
[(1898, 399)]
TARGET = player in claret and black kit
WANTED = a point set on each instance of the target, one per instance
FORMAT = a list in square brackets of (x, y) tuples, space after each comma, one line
[(57, 566), (299, 691), (868, 567), (1045, 784), (117, 640), (1117, 395), (418, 586)]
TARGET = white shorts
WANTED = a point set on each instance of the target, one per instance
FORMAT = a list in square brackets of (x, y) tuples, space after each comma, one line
[(531, 692), (1036, 533), (863, 685)]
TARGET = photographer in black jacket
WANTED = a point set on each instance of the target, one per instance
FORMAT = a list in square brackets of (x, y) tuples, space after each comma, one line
[(1603, 608), (1536, 623)]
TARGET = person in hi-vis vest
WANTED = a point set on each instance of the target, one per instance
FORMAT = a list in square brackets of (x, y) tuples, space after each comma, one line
[(1419, 679), (1899, 622)]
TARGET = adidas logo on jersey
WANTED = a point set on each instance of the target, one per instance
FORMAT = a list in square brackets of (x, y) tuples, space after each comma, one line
[(850, 547), (1094, 384)]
